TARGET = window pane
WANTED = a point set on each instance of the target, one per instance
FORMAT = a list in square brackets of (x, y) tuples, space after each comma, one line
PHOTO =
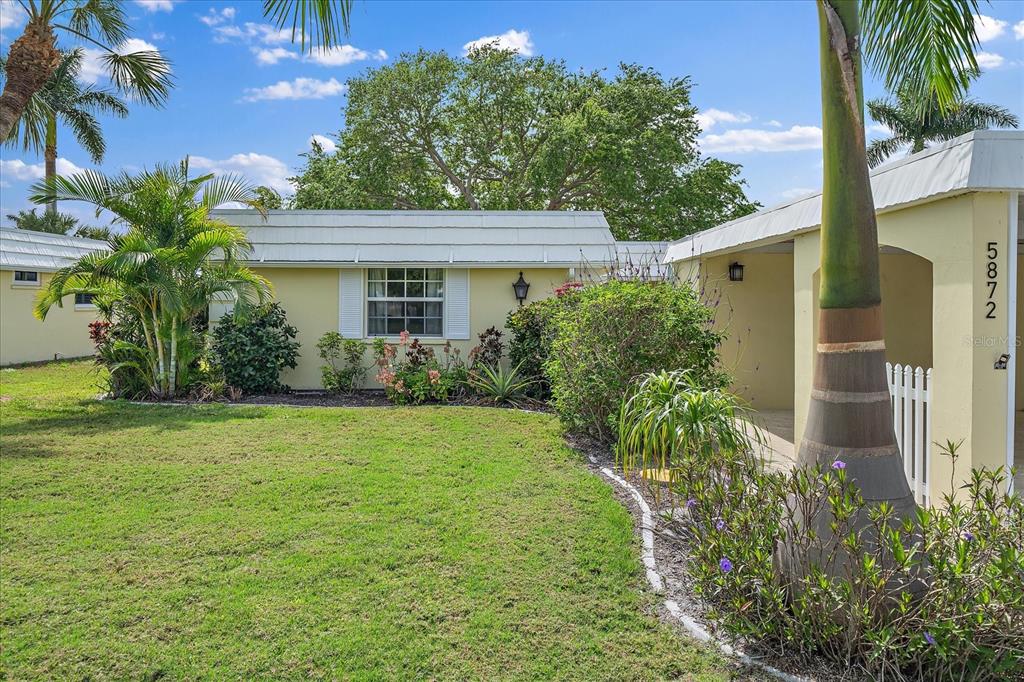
[(414, 289), (414, 274), (396, 289), (396, 325), (83, 299), (435, 274), (375, 273), (433, 326), (377, 309), (434, 290), (415, 325), (377, 326), (414, 309), (375, 290), (396, 309), (396, 274), (433, 309)]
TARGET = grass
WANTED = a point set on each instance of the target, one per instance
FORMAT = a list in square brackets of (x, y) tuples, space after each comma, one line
[(140, 542)]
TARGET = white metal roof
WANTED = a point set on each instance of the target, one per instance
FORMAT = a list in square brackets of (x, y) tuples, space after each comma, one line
[(28, 250), (984, 160), (538, 238)]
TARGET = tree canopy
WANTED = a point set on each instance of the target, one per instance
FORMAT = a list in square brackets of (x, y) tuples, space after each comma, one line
[(496, 130)]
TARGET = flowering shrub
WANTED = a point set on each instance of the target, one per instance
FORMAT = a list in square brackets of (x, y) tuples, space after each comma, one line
[(938, 598), (99, 334), (490, 350), (417, 376), (607, 334), (344, 369)]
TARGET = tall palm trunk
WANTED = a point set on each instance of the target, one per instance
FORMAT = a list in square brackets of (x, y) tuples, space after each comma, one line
[(172, 370), (32, 59), (850, 416), (50, 156)]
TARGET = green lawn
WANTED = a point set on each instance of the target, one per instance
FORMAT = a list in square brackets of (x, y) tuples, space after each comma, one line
[(243, 542)]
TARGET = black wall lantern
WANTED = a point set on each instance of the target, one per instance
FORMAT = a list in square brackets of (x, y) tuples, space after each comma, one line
[(735, 272), (521, 287)]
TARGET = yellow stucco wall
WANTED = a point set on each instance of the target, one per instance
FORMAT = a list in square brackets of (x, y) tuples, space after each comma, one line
[(969, 400), (757, 317), (309, 297), (23, 338)]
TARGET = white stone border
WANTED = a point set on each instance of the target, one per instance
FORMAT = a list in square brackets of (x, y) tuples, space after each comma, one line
[(693, 627)]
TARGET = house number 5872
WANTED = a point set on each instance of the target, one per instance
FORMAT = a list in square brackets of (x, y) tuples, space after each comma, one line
[(992, 272)]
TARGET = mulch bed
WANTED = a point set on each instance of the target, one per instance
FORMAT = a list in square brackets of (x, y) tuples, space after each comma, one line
[(360, 398)]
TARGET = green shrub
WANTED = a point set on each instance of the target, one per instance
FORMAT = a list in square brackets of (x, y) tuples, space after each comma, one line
[(344, 370), (942, 598), (417, 376), (252, 350), (489, 351), (608, 334), (532, 330)]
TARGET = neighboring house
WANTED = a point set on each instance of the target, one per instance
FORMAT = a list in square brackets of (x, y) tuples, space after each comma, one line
[(27, 262), (445, 276), (949, 227)]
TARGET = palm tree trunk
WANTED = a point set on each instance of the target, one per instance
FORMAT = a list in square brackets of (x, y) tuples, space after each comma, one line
[(173, 365), (850, 415), (32, 59), (50, 155), (162, 385)]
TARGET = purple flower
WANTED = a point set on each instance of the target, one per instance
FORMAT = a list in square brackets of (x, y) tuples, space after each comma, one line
[(725, 565), (928, 638), (838, 465), (720, 524), (691, 503), (968, 535)]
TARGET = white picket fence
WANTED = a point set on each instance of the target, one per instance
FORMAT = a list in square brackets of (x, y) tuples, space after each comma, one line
[(911, 392)]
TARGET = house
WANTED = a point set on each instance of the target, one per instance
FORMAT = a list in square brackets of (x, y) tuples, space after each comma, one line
[(27, 262), (949, 228), (445, 276)]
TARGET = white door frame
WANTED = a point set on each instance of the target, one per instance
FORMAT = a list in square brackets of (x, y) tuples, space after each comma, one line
[(1011, 331)]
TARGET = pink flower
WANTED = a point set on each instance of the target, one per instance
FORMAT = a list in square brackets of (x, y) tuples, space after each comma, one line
[(400, 386), (389, 351), (386, 377), (403, 338), (434, 375)]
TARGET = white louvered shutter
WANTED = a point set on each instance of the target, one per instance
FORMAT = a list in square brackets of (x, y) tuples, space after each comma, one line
[(456, 304), (350, 303)]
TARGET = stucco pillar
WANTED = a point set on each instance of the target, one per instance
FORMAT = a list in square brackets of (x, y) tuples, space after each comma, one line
[(806, 255)]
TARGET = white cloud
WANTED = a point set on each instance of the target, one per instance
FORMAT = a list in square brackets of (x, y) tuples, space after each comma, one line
[(709, 117), (878, 129), (775, 124), (795, 192), (16, 169), (326, 143), (92, 64), (259, 169), (1018, 30), (156, 5), (250, 31), (342, 55), (988, 28), (300, 88), (989, 60), (213, 17), (517, 41), (752, 140), (11, 14), (273, 55), (158, 36)]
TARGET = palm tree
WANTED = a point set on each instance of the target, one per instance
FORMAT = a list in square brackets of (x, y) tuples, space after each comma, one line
[(63, 98), (926, 48), (173, 259), (912, 129), (144, 74), (33, 58)]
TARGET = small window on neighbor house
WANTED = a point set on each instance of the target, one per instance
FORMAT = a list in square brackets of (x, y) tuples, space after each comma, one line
[(83, 299), (26, 277), (405, 299)]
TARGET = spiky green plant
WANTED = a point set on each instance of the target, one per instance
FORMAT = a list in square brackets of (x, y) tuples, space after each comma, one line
[(499, 385)]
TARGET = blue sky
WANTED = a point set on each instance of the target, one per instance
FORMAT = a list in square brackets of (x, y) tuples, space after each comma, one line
[(245, 101)]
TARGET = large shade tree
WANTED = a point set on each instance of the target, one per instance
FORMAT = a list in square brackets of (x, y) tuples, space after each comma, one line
[(927, 48), (496, 130), (168, 266), (912, 126), (143, 74), (63, 99)]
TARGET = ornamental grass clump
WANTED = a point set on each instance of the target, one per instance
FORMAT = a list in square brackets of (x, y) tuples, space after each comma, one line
[(940, 596)]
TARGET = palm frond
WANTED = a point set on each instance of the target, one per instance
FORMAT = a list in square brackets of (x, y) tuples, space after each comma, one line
[(924, 46), (320, 23), (880, 150), (144, 75), (87, 132)]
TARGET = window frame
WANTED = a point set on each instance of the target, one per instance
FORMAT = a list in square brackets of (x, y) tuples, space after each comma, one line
[(26, 282), (84, 306), (368, 299)]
